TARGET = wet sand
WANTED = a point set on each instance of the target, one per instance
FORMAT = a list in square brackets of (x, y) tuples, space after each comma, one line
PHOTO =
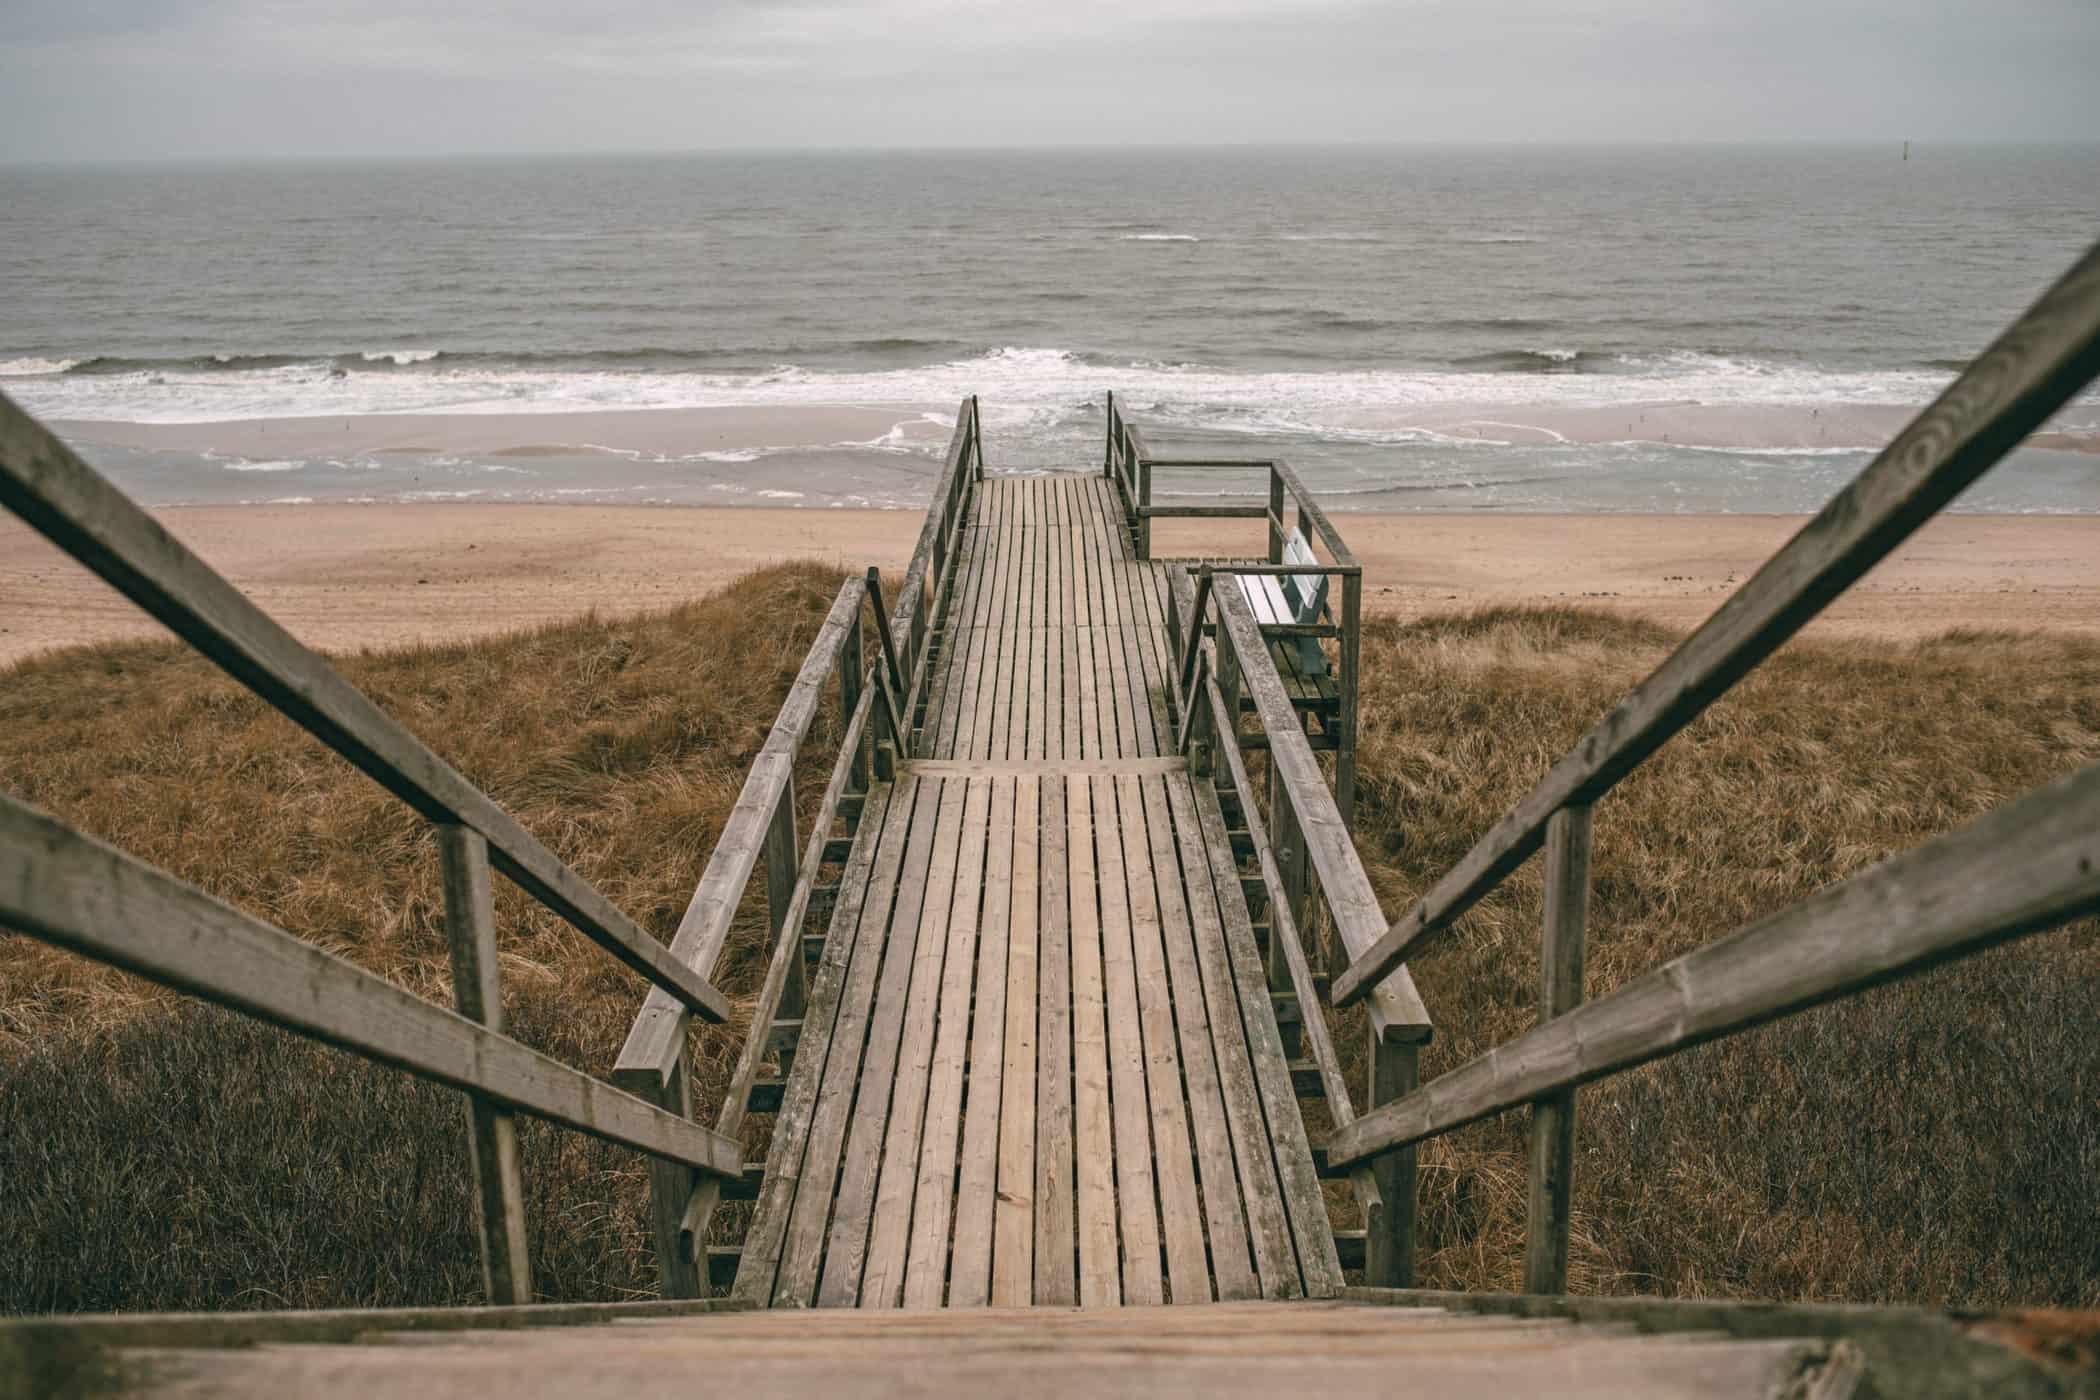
[(345, 577)]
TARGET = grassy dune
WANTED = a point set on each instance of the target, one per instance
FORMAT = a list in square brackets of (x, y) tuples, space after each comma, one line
[(1935, 1141)]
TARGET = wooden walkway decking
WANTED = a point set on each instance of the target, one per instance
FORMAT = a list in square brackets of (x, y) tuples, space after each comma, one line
[(1039, 1062)]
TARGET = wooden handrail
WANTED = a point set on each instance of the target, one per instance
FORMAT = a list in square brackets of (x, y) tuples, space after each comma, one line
[(1397, 1011), (69, 889), (2029, 866), (2008, 391), (71, 504), (656, 1042)]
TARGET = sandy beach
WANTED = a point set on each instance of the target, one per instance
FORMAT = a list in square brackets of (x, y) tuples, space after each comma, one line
[(345, 577)]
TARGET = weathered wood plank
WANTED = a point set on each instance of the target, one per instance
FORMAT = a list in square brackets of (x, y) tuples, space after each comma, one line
[(880, 1278), (1173, 1160), (1269, 1230), (50, 487), (1137, 1206), (2029, 866), (1094, 1143), (1224, 1221), (1055, 1241), (2008, 391), (1002, 1050), (74, 891), (933, 1200)]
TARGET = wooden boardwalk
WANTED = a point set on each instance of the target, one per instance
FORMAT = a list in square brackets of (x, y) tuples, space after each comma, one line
[(1039, 1062)]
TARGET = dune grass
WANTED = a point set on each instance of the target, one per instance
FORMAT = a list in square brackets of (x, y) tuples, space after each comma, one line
[(1934, 1141)]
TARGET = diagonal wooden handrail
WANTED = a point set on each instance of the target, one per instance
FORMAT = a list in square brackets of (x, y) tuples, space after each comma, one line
[(2011, 389), (75, 507)]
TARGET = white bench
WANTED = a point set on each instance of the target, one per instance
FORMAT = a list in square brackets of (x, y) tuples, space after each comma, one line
[(1291, 598)]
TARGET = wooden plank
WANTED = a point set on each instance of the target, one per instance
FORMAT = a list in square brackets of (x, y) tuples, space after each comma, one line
[(1560, 991), (1225, 1223), (895, 1125), (2028, 866), (1397, 1011), (492, 1132), (1137, 1208), (72, 505), (810, 1125), (1002, 1052), (1268, 1228), (76, 892), (932, 1200), (2008, 391), (900, 876), (1008, 768), (1055, 1245), (1298, 1180), (1093, 1131), (1173, 1161)]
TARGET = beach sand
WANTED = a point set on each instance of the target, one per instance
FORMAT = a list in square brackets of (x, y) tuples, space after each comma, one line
[(344, 577)]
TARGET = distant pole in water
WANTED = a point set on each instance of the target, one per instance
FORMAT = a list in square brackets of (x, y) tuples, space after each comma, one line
[(1906, 150)]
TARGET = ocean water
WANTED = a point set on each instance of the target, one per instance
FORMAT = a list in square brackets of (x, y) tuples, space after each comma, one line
[(1413, 327)]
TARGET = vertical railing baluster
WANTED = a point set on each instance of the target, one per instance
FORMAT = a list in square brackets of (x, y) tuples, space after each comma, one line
[(1275, 516), (1345, 723), (1389, 1250), (492, 1132), (783, 857), (852, 673), (1560, 991), (1144, 521), (671, 1187)]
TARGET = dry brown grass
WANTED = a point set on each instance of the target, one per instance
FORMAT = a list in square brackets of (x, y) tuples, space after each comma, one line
[(160, 1157), (1934, 1141)]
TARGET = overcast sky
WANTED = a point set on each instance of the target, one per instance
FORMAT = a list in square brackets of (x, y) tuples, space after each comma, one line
[(176, 78)]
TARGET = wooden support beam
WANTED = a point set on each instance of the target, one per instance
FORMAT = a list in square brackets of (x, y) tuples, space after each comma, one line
[(492, 1130), (1560, 991)]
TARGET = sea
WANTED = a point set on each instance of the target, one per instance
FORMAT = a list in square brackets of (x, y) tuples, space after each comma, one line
[(1415, 328)]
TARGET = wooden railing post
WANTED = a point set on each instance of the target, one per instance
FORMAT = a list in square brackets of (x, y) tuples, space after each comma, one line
[(852, 672), (1345, 722), (1560, 991), (492, 1132), (782, 861), (1275, 516), (1144, 521), (671, 1187), (1389, 1249)]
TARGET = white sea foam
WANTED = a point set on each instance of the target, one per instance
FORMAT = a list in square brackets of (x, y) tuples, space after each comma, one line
[(1161, 238), (241, 464), (399, 357), (34, 364), (1020, 385), (775, 494)]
